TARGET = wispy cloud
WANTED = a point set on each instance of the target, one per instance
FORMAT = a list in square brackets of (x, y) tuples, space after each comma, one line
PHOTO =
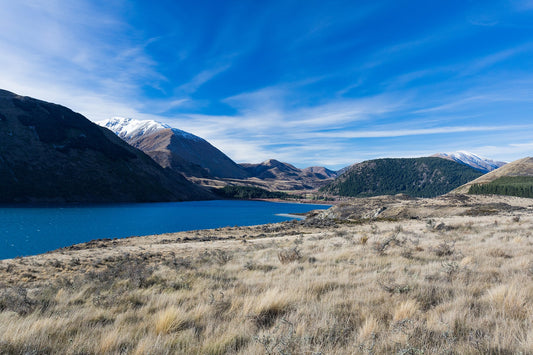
[(453, 104), (201, 78), (501, 152), (415, 132), (277, 104), (475, 66), (54, 51)]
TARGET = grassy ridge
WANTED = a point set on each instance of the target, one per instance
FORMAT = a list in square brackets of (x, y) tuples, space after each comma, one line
[(521, 186)]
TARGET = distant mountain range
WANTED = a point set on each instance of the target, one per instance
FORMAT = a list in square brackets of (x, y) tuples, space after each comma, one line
[(482, 164), (205, 164), (200, 161), (48, 153), (274, 169), (295, 179), (419, 177)]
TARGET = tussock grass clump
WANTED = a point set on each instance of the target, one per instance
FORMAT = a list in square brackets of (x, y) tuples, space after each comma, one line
[(169, 320), (444, 249), (369, 329), (271, 305), (499, 253), (405, 310), (508, 301), (289, 255)]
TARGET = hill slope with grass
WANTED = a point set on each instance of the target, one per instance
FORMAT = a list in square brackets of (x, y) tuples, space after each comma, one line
[(513, 177), (48, 153), (419, 177)]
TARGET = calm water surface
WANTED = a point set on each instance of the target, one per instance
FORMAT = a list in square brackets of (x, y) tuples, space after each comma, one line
[(34, 230)]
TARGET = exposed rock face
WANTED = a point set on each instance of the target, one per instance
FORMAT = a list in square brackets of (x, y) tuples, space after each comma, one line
[(48, 153), (176, 149), (420, 177)]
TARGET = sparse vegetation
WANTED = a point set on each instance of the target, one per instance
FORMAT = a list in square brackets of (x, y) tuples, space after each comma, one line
[(404, 287)]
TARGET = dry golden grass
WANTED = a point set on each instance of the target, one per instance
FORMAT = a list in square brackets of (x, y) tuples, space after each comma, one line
[(406, 287), (169, 320)]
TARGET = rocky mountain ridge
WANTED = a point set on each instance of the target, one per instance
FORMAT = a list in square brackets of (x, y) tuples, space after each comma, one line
[(482, 164)]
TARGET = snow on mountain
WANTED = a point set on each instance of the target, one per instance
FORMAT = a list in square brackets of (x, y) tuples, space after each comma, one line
[(129, 128), (187, 135), (482, 164), (173, 148)]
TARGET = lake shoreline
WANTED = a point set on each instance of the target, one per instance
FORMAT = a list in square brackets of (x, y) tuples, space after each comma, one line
[(298, 201), (35, 230)]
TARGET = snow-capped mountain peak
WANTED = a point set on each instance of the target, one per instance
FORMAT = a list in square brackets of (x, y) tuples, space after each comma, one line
[(129, 128), (473, 160)]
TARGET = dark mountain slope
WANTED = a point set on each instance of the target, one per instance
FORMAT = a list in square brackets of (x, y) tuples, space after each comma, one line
[(48, 153), (419, 177)]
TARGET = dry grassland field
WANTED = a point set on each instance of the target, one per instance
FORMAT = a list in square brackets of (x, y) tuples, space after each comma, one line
[(389, 275)]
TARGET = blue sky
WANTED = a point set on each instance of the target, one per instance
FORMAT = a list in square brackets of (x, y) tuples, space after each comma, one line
[(308, 82)]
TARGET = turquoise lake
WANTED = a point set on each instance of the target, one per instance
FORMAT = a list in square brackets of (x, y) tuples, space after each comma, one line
[(33, 230)]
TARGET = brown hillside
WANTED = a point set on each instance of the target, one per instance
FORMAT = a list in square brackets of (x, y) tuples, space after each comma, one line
[(193, 157), (521, 167)]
